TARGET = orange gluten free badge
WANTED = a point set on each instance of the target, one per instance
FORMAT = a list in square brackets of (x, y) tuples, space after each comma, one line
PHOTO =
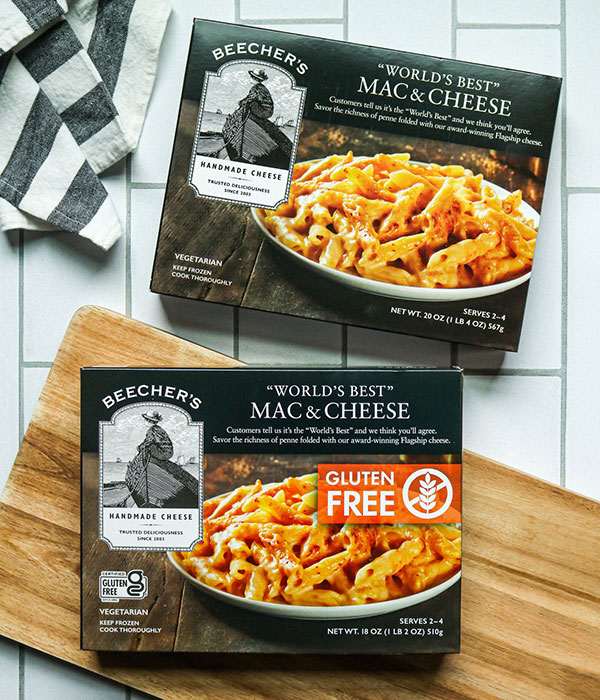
[(389, 493)]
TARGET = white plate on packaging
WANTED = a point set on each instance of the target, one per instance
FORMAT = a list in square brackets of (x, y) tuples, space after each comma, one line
[(309, 612), (398, 290)]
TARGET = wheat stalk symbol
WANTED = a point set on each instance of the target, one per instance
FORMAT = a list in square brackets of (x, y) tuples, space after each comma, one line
[(424, 504), (427, 489)]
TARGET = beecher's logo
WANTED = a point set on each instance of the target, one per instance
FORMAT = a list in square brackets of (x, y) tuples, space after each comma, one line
[(434, 493)]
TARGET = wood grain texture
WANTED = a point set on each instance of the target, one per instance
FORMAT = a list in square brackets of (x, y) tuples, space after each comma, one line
[(531, 575), (202, 227)]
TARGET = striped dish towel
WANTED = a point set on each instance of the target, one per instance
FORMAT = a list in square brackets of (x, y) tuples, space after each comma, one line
[(74, 87)]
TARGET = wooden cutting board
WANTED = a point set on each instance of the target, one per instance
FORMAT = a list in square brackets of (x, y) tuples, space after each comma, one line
[(531, 575)]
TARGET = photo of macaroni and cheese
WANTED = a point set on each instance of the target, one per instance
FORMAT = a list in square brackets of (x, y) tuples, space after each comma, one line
[(390, 219), (262, 543)]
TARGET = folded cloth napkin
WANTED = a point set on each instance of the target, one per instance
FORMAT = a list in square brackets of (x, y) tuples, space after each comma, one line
[(73, 97), (18, 19)]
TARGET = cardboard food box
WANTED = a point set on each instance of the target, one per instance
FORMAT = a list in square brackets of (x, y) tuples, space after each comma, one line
[(276, 511), (356, 184)]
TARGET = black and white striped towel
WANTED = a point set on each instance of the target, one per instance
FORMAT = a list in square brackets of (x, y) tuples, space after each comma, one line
[(74, 90)]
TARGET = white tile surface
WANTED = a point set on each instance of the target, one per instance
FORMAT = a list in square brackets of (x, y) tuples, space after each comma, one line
[(275, 9), (515, 420), (541, 338), (9, 669), (535, 50), (62, 273), (325, 30), (34, 379), (583, 93), (509, 11), (409, 25), (273, 339), (208, 324), (9, 365), (368, 348), (583, 374), (114, 181), (47, 678), (150, 163)]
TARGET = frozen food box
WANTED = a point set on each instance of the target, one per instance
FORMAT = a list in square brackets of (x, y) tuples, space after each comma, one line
[(356, 184), (271, 510)]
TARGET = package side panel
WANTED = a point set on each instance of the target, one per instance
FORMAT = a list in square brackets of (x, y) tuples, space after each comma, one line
[(111, 621)]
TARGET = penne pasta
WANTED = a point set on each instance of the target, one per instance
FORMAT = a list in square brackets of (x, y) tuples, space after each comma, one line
[(261, 543), (390, 219)]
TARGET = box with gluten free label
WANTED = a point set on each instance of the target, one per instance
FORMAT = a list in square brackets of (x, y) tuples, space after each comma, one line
[(356, 184), (271, 511)]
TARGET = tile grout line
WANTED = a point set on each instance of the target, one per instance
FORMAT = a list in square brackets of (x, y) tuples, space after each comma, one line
[(21, 672), (21, 304), (582, 190), (35, 364), (507, 372), (505, 25), (21, 426), (500, 372), (290, 20), (147, 185), (237, 12), (128, 284), (344, 328), (454, 25), (564, 200)]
